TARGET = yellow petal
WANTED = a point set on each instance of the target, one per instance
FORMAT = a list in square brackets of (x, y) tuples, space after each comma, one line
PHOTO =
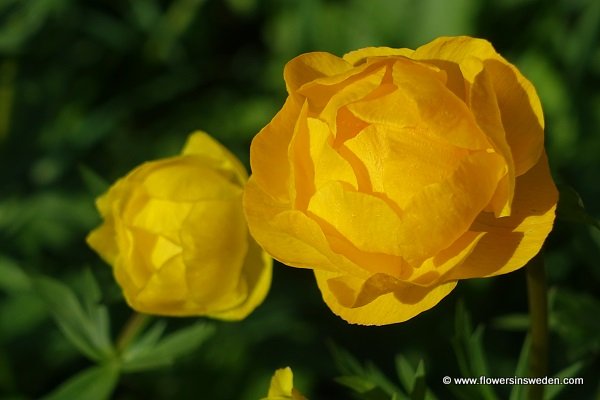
[(482, 100), (310, 66), (176, 179), (390, 307), (165, 291), (282, 386), (432, 269), (519, 105), (361, 86), (104, 238), (256, 272), (215, 253), (315, 163), (426, 105), (282, 383), (103, 241), (386, 153), (270, 147), (159, 216), (288, 235), (320, 92), (214, 155), (510, 242), (357, 57), (521, 114), (368, 222), (442, 212)]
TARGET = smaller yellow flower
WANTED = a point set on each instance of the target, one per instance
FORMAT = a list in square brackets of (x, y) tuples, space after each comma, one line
[(282, 386), (175, 234)]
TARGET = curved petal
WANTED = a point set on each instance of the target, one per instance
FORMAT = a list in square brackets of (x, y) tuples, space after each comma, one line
[(289, 235), (310, 66), (270, 147), (386, 306), (482, 101), (366, 221), (383, 154), (314, 162), (214, 155), (256, 272), (177, 179), (510, 242), (359, 56), (215, 253), (519, 105), (422, 101), (103, 239)]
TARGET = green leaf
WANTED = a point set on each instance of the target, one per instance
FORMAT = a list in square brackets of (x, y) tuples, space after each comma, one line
[(512, 322), (468, 347), (345, 362), (95, 184), (570, 319), (149, 338), (405, 373), (86, 328), (552, 391), (358, 384), (12, 277), (419, 389), (376, 376), (94, 383), (570, 208), (518, 392), (413, 381), (146, 353)]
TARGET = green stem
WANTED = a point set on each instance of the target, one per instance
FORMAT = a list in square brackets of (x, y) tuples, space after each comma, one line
[(537, 292), (136, 323)]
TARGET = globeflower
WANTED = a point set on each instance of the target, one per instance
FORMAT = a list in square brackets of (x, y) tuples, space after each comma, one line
[(175, 234), (395, 173)]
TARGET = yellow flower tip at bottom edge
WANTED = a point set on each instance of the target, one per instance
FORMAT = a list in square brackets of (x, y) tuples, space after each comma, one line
[(282, 386)]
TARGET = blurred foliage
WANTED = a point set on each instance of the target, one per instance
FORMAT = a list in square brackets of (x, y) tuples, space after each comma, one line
[(89, 89)]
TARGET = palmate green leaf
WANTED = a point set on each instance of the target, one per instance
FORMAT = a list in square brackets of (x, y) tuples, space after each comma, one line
[(413, 380), (85, 326), (370, 383), (150, 353), (94, 383), (570, 208)]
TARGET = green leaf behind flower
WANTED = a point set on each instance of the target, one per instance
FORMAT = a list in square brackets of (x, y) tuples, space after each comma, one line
[(84, 323), (94, 383), (148, 352)]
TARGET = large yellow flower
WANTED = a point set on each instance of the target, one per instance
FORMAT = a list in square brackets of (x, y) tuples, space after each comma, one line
[(394, 173), (175, 233)]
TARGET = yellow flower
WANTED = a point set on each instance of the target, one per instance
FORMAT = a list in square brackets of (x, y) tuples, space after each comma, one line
[(394, 173), (282, 386), (175, 233)]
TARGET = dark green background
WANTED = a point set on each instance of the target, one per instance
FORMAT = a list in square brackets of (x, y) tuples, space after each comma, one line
[(96, 87)]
